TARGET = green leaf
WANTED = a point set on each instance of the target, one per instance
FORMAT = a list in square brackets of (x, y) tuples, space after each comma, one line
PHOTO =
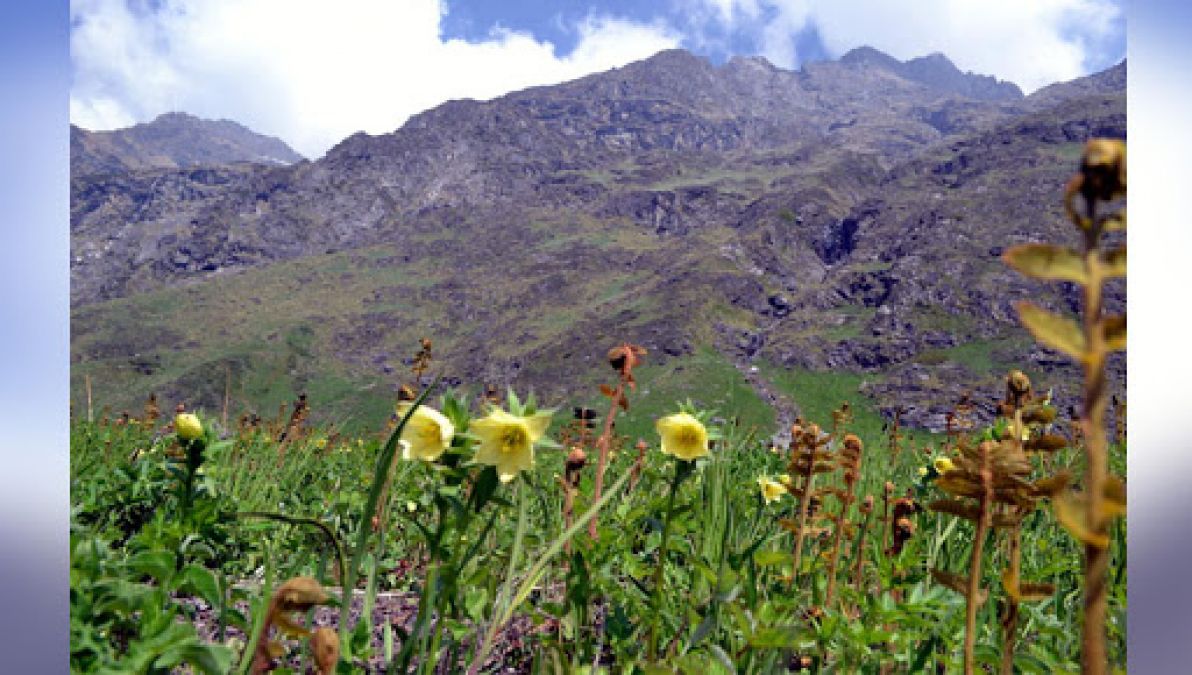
[(1052, 330), (156, 564), (219, 446), (1047, 261), (702, 630), (771, 558), (772, 637), (206, 658), (200, 580)]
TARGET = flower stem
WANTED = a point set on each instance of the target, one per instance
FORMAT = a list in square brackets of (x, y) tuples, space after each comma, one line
[(1010, 621), (1096, 557), (384, 467), (974, 586), (602, 444), (659, 570), (804, 507)]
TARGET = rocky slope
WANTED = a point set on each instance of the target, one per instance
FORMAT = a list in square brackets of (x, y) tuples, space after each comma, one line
[(172, 141), (846, 216)]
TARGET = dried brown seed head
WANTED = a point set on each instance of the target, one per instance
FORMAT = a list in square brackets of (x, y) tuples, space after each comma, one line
[(576, 459), (853, 442), (325, 645), (299, 594), (867, 505), (889, 488), (1103, 169), (625, 356), (1018, 384)]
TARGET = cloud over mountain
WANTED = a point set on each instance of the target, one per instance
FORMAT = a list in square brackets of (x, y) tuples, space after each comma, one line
[(1029, 42), (310, 72)]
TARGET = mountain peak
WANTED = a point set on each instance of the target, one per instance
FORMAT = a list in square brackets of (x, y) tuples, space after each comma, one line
[(176, 117), (672, 61), (174, 140), (866, 55), (936, 71), (756, 62)]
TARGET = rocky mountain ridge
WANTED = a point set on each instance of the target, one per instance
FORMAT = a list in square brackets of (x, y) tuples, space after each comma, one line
[(173, 141), (824, 218)]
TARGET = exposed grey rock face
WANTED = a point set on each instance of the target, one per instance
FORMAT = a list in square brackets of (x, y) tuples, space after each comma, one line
[(847, 215), (173, 140), (1105, 83), (938, 72)]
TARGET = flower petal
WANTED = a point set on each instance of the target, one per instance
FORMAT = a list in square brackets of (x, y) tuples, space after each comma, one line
[(538, 423)]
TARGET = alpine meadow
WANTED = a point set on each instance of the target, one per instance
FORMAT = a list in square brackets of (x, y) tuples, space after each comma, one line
[(680, 367)]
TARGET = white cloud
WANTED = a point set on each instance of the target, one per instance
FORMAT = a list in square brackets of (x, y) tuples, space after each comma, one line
[(1029, 42), (313, 72)]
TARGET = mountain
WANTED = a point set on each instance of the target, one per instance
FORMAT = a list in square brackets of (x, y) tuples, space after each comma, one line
[(172, 141), (1105, 83), (938, 72), (750, 226)]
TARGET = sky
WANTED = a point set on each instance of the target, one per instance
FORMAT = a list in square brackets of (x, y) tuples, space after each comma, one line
[(313, 73)]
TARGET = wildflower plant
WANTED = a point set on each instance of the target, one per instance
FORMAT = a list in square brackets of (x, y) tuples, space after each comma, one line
[(623, 358), (685, 437), (1089, 200), (809, 456), (996, 475), (849, 457)]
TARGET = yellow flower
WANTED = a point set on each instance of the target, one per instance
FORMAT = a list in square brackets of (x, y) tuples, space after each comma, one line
[(683, 436), (771, 490), (922, 471), (507, 441), (785, 479), (427, 434), (188, 426), (943, 465)]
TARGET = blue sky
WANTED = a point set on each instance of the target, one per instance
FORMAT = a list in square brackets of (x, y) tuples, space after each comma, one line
[(314, 72)]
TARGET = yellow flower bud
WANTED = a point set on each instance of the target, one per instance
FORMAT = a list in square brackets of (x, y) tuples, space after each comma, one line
[(188, 426), (943, 465), (427, 434)]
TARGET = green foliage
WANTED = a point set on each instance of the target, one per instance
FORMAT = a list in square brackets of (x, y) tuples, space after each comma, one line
[(690, 569)]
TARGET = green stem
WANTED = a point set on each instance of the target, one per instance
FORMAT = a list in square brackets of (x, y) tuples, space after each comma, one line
[(313, 522), (502, 611), (258, 626), (384, 466), (659, 570)]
